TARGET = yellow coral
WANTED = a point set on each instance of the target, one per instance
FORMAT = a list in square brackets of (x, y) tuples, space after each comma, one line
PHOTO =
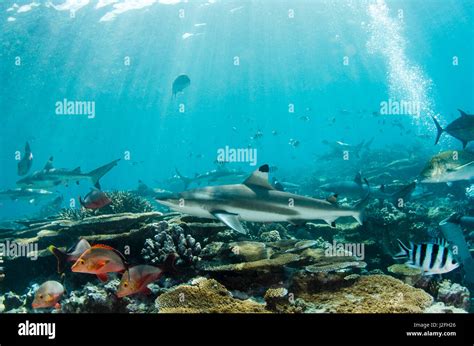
[(204, 296), (371, 294)]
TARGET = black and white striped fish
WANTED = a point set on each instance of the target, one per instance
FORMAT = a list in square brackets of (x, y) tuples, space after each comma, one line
[(431, 258)]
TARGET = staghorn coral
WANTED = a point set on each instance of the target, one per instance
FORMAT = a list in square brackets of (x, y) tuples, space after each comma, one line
[(204, 296), (122, 202), (169, 239)]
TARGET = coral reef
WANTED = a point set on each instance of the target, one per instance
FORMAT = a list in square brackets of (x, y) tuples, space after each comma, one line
[(94, 298), (453, 294), (441, 308), (366, 294), (405, 273), (122, 202), (204, 296), (169, 239), (270, 236), (279, 300)]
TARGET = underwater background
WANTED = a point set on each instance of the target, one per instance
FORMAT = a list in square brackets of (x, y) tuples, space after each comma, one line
[(300, 81)]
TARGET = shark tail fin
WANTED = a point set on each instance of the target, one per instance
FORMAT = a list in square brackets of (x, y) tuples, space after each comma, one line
[(187, 181), (438, 128), (98, 173), (60, 256), (404, 250), (360, 206)]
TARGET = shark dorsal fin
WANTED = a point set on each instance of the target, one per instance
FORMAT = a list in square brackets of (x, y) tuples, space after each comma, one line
[(260, 178), (49, 164), (77, 170), (358, 178), (463, 114)]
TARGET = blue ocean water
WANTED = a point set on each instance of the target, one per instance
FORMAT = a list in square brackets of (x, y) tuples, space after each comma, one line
[(333, 62)]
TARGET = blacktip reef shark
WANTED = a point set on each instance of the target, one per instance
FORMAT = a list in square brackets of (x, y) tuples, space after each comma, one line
[(256, 200), (50, 177)]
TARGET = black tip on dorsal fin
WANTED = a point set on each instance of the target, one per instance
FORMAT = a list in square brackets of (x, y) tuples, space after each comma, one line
[(260, 178), (264, 168), (49, 164)]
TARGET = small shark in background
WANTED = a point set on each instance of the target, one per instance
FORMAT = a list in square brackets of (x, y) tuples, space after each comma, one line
[(256, 200), (285, 185), (215, 177), (144, 190), (30, 195), (462, 128), (352, 188), (358, 188), (449, 166), (339, 147), (180, 83), (25, 163), (50, 177)]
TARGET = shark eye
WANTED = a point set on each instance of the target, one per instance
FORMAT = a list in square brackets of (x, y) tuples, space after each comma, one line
[(40, 296), (125, 284), (81, 261)]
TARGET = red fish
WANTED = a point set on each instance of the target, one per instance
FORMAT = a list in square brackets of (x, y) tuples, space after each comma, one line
[(70, 255), (48, 295), (136, 279), (95, 199), (100, 260)]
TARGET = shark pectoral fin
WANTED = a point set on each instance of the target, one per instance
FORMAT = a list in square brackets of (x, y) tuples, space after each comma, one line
[(330, 221), (230, 220), (464, 166), (359, 218)]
